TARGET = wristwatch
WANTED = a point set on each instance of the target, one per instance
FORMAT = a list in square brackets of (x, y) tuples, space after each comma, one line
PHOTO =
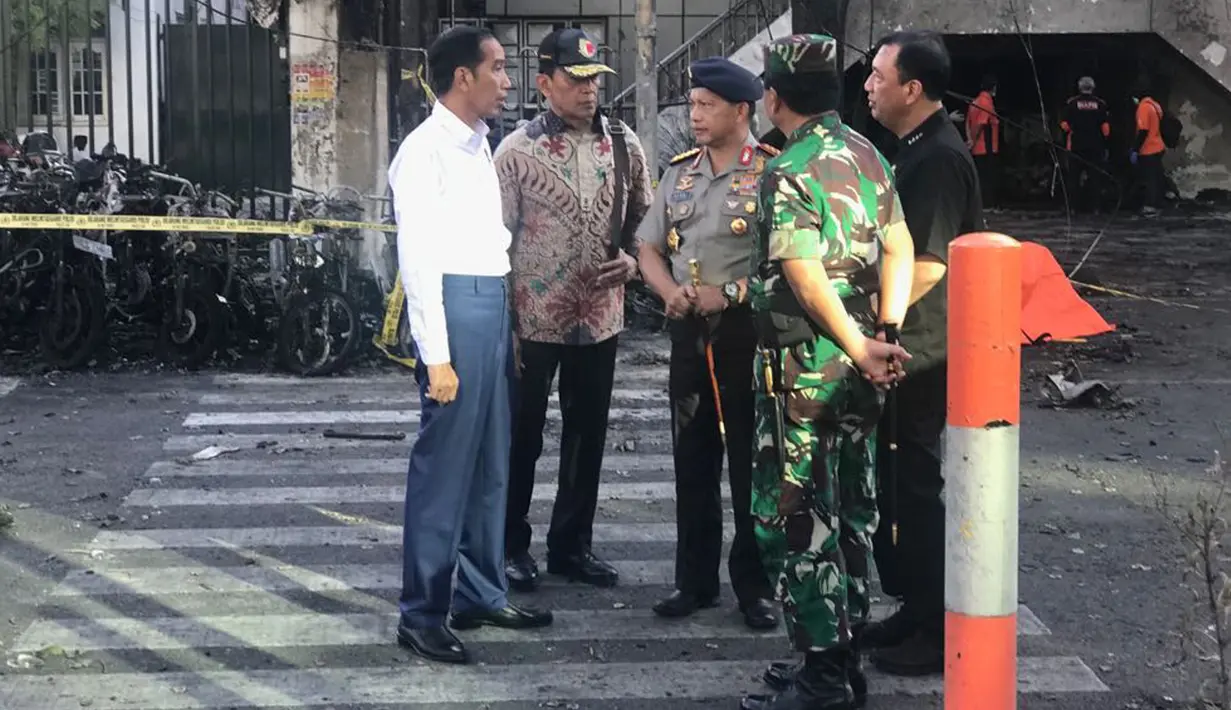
[(730, 291)]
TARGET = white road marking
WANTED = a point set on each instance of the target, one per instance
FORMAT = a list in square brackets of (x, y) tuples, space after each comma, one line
[(251, 579), (314, 629), (170, 497), (8, 384), (282, 440), (409, 400), (641, 374), (376, 416), (548, 465), (340, 536), (407, 685)]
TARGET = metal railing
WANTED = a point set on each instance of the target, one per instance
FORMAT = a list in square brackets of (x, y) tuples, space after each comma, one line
[(200, 86), (722, 37)]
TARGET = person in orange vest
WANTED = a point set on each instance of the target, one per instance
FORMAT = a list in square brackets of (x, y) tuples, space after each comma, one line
[(1085, 122), (983, 138), (1149, 148)]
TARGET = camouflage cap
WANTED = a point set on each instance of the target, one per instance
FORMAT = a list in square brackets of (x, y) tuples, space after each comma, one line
[(802, 54)]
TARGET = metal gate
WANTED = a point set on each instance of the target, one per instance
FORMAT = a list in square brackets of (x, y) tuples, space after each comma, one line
[(201, 87), (227, 102)]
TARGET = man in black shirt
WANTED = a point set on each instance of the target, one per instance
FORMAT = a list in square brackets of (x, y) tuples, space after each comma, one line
[(939, 189), (1085, 120)]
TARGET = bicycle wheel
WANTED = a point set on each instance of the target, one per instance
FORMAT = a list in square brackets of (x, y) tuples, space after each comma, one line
[(318, 334), (70, 337)]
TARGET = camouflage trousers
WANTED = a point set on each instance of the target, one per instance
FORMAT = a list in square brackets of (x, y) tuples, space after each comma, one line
[(814, 502)]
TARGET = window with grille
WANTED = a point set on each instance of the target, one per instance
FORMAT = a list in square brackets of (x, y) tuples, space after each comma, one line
[(88, 85), (44, 83)]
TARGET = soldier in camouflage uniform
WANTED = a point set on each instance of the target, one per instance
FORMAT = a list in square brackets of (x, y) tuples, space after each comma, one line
[(828, 213)]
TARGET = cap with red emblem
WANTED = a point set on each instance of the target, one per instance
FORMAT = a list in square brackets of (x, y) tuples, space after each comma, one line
[(573, 51)]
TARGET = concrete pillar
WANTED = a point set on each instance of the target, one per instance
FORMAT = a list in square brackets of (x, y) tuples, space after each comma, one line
[(314, 92)]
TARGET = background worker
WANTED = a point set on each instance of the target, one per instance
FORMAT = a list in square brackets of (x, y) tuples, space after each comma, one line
[(705, 210), (1086, 124), (983, 139)]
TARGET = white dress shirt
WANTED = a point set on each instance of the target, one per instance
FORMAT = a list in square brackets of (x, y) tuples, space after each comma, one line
[(446, 198)]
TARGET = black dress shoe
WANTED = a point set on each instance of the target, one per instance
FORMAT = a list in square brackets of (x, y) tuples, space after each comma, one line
[(436, 643), (522, 571), (781, 676), (681, 604), (510, 617), (820, 684), (921, 654), (888, 632), (584, 568), (759, 614)]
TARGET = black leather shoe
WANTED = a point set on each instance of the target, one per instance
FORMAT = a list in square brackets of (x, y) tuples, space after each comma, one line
[(584, 568), (759, 614), (921, 654), (522, 571), (820, 685), (436, 644), (888, 632), (510, 617), (781, 676), (680, 604)]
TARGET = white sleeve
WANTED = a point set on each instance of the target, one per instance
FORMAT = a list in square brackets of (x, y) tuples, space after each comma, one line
[(417, 185)]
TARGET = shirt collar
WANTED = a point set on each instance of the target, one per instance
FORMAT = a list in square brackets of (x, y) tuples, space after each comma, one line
[(470, 138), (553, 125), (702, 162), (929, 127)]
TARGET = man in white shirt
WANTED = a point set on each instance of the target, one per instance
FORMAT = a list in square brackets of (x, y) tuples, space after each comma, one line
[(453, 255)]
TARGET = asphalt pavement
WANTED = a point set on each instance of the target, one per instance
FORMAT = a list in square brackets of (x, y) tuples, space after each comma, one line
[(267, 576)]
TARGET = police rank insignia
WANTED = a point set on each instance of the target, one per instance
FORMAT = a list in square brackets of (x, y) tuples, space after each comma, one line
[(739, 226), (673, 241), (750, 207), (685, 182)]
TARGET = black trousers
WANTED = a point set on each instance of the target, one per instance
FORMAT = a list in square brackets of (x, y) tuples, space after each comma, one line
[(1089, 164), (698, 452), (911, 491), (988, 168), (1151, 179), (586, 378)]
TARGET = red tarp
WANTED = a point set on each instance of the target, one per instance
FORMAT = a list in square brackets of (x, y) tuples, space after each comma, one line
[(1051, 309)]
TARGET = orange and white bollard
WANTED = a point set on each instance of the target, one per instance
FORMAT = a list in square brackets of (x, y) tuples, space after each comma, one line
[(981, 472)]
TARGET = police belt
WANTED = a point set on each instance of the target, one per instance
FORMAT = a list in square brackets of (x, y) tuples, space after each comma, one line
[(787, 324)]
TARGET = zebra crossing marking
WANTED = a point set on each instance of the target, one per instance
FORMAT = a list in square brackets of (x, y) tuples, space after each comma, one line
[(184, 497), (187, 443), (410, 400), (377, 416), (239, 468), (341, 536), (412, 685), (266, 617)]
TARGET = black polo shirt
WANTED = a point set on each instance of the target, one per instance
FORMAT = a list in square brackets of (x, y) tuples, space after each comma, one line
[(939, 189)]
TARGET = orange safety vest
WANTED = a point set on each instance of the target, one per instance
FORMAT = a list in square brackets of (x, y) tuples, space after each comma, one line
[(982, 114)]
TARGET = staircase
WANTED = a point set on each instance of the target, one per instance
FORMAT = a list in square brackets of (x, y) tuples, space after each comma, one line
[(736, 34)]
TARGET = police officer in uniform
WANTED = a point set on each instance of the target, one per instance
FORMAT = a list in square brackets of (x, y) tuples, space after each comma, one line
[(701, 222)]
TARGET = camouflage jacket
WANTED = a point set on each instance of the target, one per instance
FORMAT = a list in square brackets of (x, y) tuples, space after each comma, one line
[(829, 196)]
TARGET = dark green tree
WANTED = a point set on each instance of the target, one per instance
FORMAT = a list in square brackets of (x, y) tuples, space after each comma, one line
[(35, 24)]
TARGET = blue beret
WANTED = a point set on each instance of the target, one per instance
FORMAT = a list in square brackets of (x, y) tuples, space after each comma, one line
[(727, 79)]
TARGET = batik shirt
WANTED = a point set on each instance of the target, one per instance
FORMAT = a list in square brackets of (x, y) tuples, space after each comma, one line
[(558, 191)]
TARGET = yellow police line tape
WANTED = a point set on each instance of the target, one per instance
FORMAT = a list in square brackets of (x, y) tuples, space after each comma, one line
[(1151, 299), (134, 223)]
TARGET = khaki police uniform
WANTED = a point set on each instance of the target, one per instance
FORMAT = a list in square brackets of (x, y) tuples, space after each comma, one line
[(707, 216)]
